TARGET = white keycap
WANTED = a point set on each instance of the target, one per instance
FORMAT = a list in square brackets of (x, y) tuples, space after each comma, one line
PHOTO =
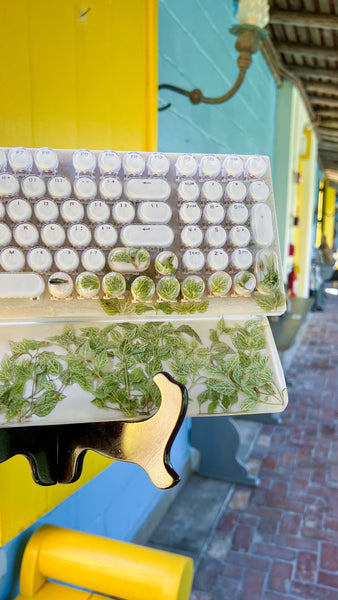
[(133, 163), (154, 212), (109, 162), (5, 234), (19, 210), (20, 160), (215, 236), (93, 260), (98, 212), (60, 285), (46, 160), (2, 210), (214, 213), (59, 188), (3, 160), (21, 285), (26, 235), (85, 188), (239, 236), (79, 236), (217, 260), (188, 191), (158, 164), (147, 189), (46, 211), (66, 259), (212, 191), (39, 259), (9, 185), (244, 283), (84, 161), (237, 213), (210, 166), (193, 260), (147, 236), (12, 259), (191, 236), (87, 285), (110, 188), (72, 211), (219, 283), (186, 165), (241, 259), (52, 235), (256, 166), (235, 191), (261, 224), (233, 166), (33, 187), (123, 212), (190, 212), (105, 236), (259, 191)]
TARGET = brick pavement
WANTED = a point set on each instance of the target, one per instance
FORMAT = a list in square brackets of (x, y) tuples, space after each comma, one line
[(280, 540)]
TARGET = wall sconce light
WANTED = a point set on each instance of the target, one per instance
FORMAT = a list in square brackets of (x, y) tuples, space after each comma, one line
[(252, 16)]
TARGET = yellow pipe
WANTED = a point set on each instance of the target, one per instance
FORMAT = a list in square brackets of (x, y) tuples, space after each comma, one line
[(103, 565)]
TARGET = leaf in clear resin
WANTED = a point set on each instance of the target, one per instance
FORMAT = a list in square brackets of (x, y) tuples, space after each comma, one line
[(168, 288), (193, 287), (219, 283), (114, 284), (166, 263), (143, 288)]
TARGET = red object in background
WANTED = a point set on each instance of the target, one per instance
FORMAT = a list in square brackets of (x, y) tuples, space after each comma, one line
[(299, 178), (296, 222), (292, 282), (291, 250)]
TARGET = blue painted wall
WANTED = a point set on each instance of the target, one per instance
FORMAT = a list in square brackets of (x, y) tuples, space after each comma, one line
[(195, 50)]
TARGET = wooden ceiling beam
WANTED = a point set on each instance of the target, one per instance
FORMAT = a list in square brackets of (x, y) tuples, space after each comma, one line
[(320, 101), (331, 114), (326, 146), (328, 133), (306, 50), (313, 72), (329, 124), (303, 19), (322, 88)]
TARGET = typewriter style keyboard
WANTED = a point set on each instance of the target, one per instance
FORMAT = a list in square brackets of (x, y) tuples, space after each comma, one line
[(143, 229)]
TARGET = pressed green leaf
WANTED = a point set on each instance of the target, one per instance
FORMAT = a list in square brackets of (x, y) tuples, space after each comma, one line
[(101, 362), (46, 402), (267, 303), (189, 331)]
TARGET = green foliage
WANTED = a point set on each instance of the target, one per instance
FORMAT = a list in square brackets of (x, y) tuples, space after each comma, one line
[(166, 263), (143, 288), (219, 283), (88, 281), (193, 287), (114, 284), (168, 288)]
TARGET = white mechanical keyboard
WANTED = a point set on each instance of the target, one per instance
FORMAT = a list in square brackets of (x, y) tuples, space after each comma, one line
[(140, 232)]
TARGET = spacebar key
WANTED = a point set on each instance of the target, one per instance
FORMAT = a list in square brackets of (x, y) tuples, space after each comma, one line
[(21, 285), (147, 236)]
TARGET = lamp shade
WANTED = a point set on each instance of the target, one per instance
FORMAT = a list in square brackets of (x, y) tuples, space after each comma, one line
[(253, 12)]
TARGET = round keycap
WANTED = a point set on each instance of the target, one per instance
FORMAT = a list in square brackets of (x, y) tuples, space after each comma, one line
[(79, 236), (105, 236), (193, 260), (133, 163), (143, 288), (190, 212), (12, 259), (215, 236), (219, 283), (46, 211), (2, 211), (9, 185), (66, 259), (217, 260), (46, 160), (98, 212), (52, 235), (191, 236), (5, 234), (84, 161), (87, 284), (166, 263), (26, 235), (20, 160), (188, 191), (109, 162), (33, 187), (259, 191), (110, 188), (59, 188), (39, 259), (72, 211), (214, 213), (186, 165), (19, 210), (93, 260), (256, 166), (233, 166), (168, 288), (114, 284), (158, 164), (239, 236), (123, 212), (237, 213), (3, 160), (85, 188), (210, 166), (60, 285), (235, 191), (244, 283), (193, 287), (212, 191), (241, 259)]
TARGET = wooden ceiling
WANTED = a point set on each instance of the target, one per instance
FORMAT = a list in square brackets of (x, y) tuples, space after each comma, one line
[(303, 47)]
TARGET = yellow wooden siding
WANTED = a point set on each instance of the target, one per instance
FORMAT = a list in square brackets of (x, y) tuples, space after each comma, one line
[(73, 74)]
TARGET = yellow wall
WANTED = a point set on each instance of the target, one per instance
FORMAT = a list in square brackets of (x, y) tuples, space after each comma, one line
[(72, 80), (329, 209)]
